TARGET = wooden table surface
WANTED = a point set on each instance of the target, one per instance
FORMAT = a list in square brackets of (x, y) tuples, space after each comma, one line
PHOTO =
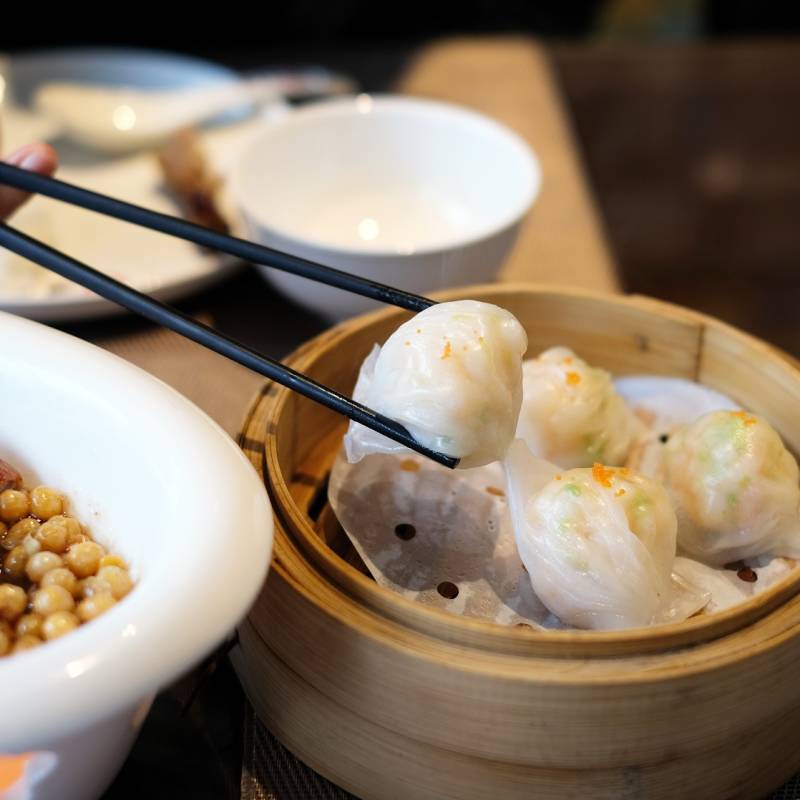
[(693, 152)]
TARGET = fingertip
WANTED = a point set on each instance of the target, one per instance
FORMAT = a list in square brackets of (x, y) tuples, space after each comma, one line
[(41, 158), (48, 159)]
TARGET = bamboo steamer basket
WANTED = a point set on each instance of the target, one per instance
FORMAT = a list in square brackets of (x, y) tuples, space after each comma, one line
[(392, 699)]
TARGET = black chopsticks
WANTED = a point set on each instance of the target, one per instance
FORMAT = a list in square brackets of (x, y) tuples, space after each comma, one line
[(171, 318), (205, 237)]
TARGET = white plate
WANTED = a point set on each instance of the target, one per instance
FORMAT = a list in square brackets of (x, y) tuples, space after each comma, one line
[(160, 265)]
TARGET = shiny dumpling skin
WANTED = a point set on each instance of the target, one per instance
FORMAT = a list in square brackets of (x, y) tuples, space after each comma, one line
[(735, 488), (598, 544), (452, 375), (571, 413)]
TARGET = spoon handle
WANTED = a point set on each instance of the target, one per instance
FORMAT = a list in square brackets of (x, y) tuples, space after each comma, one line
[(196, 104), (312, 82)]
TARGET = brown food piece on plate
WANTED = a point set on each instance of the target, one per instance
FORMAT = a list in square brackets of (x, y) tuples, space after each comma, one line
[(190, 179), (9, 477)]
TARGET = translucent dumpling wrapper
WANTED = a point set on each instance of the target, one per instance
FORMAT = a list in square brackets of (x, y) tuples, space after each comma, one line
[(422, 529), (734, 486), (445, 539), (571, 413), (598, 544), (452, 375)]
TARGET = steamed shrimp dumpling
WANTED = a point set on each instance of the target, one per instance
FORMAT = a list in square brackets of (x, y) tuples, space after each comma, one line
[(452, 375), (735, 488), (598, 544), (571, 413)]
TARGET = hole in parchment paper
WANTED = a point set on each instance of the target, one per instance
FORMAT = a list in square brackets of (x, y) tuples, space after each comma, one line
[(448, 590), (405, 531)]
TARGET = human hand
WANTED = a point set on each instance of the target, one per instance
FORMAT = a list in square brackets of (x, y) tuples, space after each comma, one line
[(39, 158)]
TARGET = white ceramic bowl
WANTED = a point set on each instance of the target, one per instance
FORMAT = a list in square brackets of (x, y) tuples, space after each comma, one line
[(414, 193), (155, 480)]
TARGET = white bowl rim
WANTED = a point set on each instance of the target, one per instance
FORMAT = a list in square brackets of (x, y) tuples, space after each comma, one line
[(109, 664), (345, 106)]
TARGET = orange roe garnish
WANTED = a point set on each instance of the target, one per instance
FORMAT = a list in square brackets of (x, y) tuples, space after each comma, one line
[(745, 417), (12, 770), (602, 475), (567, 360), (447, 352), (573, 379), (558, 477), (619, 492), (409, 465)]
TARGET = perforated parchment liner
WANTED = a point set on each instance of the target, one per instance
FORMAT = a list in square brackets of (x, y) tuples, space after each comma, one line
[(461, 534), (444, 537)]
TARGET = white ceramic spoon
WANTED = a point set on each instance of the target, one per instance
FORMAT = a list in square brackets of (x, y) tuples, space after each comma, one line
[(119, 119)]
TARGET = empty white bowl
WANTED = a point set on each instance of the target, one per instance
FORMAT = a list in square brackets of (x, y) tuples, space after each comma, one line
[(156, 481), (414, 193)]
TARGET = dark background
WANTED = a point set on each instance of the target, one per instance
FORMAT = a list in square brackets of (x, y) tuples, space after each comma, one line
[(309, 23)]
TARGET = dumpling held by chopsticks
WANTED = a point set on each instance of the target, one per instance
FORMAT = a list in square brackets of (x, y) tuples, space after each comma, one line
[(452, 375)]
